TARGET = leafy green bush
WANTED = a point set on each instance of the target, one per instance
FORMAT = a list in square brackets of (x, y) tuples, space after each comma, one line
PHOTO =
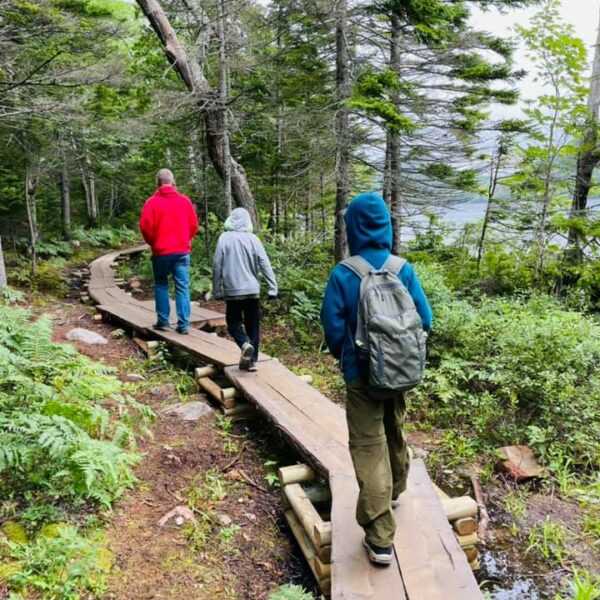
[(302, 267), (514, 370), (59, 442), (290, 592), (105, 236), (59, 565)]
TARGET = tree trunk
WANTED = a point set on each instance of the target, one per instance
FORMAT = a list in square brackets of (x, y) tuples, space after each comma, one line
[(342, 129), (112, 201), (31, 183), (387, 191), (89, 185), (207, 101), (394, 142), (223, 92), (589, 156), (494, 170), (3, 280), (65, 191)]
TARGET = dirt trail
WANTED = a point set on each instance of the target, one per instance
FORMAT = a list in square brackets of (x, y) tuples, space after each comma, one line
[(239, 546)]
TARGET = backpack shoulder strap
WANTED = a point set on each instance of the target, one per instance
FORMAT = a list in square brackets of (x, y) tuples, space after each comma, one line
[(394, 264), (358, 265)]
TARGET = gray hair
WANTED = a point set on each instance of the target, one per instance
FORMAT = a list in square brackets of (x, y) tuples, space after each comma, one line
[(164, 177)]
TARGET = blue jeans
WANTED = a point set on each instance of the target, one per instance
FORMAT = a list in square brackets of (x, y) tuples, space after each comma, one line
[(179, 266)]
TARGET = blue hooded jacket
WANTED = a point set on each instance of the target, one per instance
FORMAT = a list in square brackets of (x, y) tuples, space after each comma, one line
[(369, 231)]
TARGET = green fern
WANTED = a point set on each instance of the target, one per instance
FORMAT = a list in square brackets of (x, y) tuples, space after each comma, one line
[(60, 437)]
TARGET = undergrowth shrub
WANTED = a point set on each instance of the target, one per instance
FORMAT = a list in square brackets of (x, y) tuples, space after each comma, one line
[(302, 267), (513, 370), (60, 442), (103, 237), (60, 564)]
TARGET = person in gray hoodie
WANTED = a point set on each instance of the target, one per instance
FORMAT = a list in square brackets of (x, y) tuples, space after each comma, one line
[(239, 260)]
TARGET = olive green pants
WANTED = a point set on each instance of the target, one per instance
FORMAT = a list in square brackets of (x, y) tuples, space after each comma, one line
[(379, 454)]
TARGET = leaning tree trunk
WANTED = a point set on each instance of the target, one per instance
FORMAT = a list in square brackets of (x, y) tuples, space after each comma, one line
[(223, 92), (3, 280), (342, 129), (394, 142), (493, 183), (207, 100), (31, 183), (589, 156)]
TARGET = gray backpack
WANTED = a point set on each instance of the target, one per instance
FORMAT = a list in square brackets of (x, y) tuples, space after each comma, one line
[(390, 342)]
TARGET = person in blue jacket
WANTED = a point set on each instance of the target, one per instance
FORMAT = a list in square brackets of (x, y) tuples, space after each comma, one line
[(375, 417)]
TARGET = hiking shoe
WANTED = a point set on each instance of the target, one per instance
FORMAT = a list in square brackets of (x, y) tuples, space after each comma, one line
[(252, 366), (161, 327), (246, 358), (396, 503), (182, 331), (377, 554)]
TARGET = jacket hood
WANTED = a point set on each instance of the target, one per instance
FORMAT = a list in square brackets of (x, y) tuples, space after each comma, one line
[(239, 220), (368, 223), (167, 190)]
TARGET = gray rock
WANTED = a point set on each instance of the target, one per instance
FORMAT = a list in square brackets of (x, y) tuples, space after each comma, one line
[(86, 336), (133, 377), (225, 520), (188, 411)]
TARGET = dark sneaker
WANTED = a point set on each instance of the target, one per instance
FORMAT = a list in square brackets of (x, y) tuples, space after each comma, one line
[(396, 503), (182, 331), (246, 358), (378, 555), (161, 327), (252, 366)]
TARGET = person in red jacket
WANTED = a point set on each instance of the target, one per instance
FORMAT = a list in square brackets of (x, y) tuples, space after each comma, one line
[(169, 223)]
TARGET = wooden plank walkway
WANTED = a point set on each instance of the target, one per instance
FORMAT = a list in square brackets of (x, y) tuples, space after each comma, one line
[(429, 565)]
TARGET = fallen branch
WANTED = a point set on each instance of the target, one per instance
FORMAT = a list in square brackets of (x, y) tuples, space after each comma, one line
[(234, 460), (173, 494), (249, 481), (484, 517)]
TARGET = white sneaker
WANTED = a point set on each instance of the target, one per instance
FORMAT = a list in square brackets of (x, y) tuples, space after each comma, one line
[(246, 358)]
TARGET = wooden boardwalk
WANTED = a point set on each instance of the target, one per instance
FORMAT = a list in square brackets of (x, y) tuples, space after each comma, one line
[(429, 563)]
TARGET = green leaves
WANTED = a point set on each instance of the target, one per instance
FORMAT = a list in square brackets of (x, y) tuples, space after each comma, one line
[(374, 93), (59, 440), (517, 370)]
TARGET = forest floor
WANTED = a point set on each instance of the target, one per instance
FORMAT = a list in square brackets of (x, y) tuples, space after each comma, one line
[(239, 546)]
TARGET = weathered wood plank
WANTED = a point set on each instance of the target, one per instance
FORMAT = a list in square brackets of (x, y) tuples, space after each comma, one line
[(432, 564), (353, 575), (309, 432), (199, 315)]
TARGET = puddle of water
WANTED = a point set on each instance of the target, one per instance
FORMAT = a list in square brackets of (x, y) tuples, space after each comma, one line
[(499, 583)]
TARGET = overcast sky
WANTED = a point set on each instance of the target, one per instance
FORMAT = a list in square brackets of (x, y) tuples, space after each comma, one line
[(582, 14)]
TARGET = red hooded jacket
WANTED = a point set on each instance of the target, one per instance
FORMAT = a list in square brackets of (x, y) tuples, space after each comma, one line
[(168, 222)]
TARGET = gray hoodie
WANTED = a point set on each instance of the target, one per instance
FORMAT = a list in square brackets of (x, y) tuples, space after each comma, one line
[(239, 258)]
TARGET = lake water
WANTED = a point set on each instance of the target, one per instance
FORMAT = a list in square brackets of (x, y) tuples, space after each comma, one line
[(456, 216)]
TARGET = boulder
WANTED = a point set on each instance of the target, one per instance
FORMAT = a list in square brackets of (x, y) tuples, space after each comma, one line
[(79, 334), (188, 411)]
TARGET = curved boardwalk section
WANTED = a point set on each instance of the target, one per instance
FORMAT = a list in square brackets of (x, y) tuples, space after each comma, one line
[(429, 565)]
